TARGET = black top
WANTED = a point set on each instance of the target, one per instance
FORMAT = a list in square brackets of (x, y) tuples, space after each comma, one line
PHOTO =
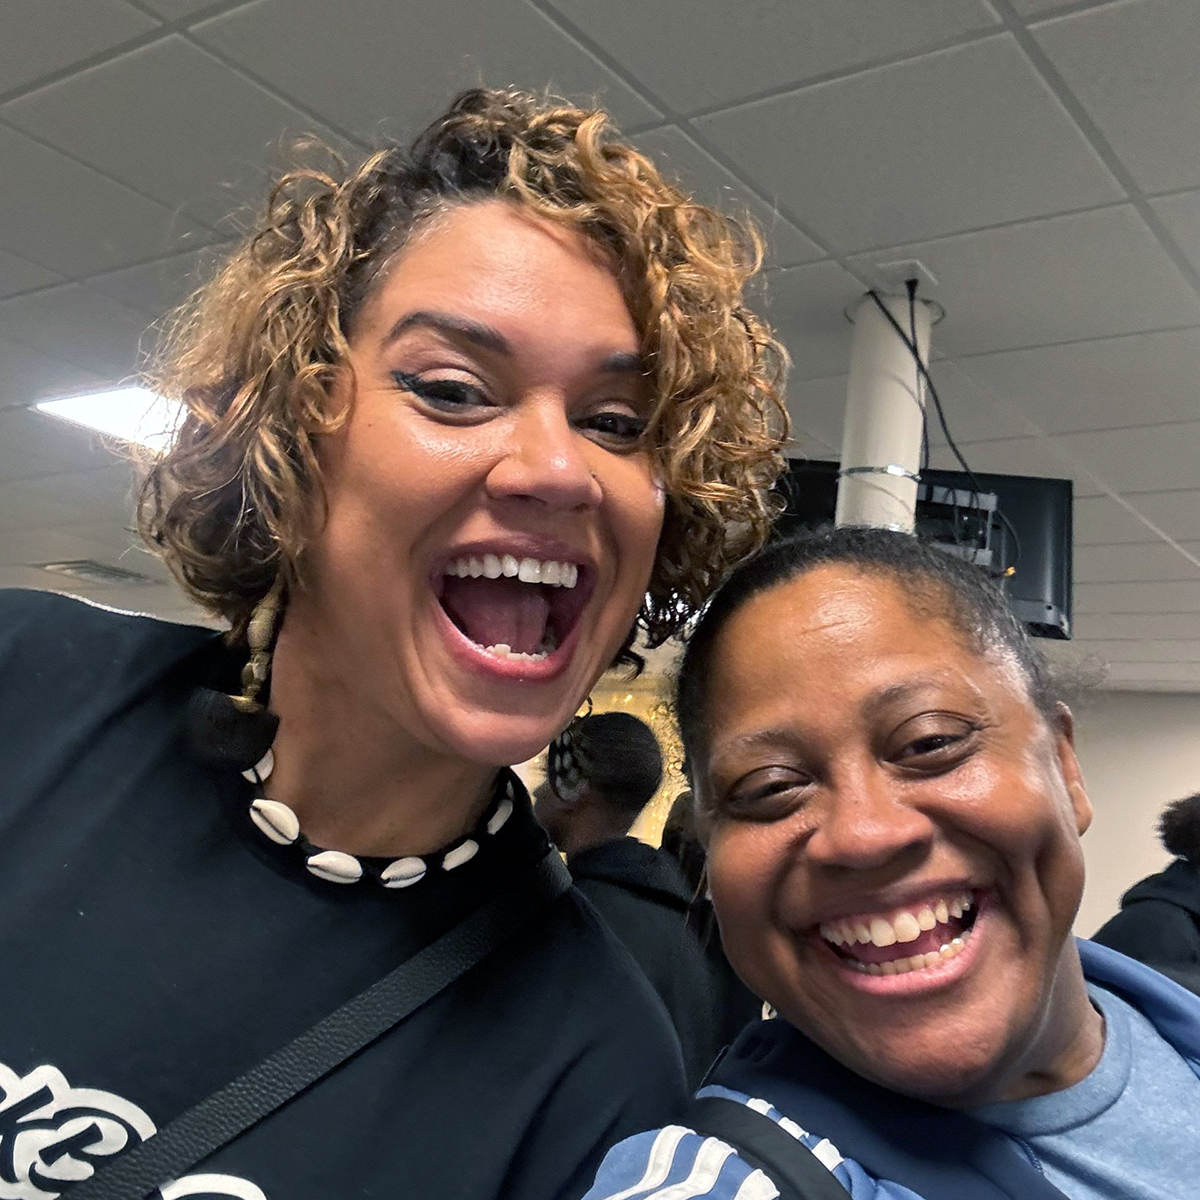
[(1159, 921), (155, 945), (643, 897)]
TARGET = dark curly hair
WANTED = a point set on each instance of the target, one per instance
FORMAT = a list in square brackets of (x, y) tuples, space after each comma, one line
[(1179, 828), (234, 501)]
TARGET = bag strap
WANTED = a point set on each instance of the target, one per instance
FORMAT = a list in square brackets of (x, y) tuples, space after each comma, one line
[(789, 1164), (231, 1110)]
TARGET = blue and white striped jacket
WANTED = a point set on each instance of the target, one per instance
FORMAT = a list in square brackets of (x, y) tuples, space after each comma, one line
[(939, 1154)]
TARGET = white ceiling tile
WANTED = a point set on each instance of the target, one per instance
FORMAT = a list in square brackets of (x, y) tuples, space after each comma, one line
[(1029, 8), (703, 53), (1143, 651), (1103, 521), (171, 121), (1133, 67), (35, 547), (1181, 215), (77, 324), (99, 499), (407, 61), (972, 412), (963, 138), (22, 507), (1015, 456), (1132, 563), (20, 275), (818, 409), (1176, 513), (1141, 380), (1169, 626), (1067, 278), (27, 375), (33, 444), (173, 9), (157, 287), (1138, 460), (712, 184), (1173, 597), (73, 220), (42, 36), (807, 308)]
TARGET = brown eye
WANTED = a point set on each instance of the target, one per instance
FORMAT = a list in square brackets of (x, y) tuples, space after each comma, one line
[(765, 795), (932, 743)]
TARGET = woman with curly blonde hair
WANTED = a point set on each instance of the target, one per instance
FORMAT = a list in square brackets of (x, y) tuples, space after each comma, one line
[(460, 422)]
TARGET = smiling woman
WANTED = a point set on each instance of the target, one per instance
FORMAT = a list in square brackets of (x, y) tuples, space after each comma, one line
[(460, 421), (893, 808)]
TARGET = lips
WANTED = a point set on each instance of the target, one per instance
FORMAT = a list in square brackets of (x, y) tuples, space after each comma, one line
[(514, 609), (921, 936)]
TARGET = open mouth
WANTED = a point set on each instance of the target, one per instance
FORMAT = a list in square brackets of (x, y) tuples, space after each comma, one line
[(511, 608), (906, 939)]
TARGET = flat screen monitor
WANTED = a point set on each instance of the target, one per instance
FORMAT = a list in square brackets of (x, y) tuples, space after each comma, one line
[(1017, 527)]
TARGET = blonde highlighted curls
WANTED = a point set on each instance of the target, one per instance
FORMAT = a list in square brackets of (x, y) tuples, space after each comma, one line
[(253, 355)]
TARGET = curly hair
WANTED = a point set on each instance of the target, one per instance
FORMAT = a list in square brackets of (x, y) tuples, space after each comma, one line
[(1179, 828), (252, 356)]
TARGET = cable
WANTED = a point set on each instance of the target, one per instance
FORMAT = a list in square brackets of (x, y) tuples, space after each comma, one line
[(923, 371), (912, 285)]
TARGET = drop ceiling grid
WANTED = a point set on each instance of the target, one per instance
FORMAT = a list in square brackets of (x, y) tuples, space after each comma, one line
[(1030, 378)]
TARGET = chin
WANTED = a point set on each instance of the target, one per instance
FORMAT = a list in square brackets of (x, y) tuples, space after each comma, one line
[(929, 1076), (498, 740)]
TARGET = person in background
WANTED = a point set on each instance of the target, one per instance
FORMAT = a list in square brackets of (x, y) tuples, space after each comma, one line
[(461, 419), (1159, 921), (643, 897), (734, 1004), (892, 807)]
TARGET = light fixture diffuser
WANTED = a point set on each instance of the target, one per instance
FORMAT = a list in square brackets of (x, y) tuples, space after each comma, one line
[(132, 414)]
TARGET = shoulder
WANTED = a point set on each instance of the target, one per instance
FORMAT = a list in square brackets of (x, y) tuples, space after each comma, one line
[(666, 1162), (58, 652)]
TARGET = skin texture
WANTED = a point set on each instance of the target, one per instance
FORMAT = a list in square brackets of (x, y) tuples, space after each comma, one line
[(859, 756), (388, 741)]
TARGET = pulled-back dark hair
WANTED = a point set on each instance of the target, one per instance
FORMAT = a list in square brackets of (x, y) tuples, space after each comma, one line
[(934, 580), (620, 758), (1179, 828)]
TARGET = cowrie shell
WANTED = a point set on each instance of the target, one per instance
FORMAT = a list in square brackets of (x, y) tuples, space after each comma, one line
[(335, 866), (404, 872), (460, 854), (261, 771), (276, 820)]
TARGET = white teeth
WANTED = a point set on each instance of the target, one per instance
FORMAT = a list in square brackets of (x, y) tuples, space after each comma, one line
[(941, 912), (907, 927), (926, 920), (956, 909), (527, 570), (503, 650), (913, 962), (882, 933)]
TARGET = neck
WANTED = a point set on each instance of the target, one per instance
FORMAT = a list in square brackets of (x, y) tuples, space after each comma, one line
[(357, 780), (588, 830), (1071, 1040)]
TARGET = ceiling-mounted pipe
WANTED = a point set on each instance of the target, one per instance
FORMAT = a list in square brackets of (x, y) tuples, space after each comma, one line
[(885, 416)]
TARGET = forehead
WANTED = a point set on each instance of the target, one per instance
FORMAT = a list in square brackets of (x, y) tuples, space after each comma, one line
[(828, 641), (502, 265)]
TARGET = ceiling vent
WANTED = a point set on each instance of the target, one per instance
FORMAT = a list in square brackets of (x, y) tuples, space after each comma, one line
[(87, 570)]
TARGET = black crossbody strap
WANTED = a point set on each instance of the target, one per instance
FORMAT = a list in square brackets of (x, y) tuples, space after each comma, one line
[(788, 1163), (234, 1108)]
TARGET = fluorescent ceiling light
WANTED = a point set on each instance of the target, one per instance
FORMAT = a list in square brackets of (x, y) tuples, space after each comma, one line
[(132, 414)]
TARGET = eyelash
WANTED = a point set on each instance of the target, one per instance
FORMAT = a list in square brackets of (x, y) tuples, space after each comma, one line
[(455, 395)]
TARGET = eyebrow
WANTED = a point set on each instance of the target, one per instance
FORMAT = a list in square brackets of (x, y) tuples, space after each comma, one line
[(622, 362)]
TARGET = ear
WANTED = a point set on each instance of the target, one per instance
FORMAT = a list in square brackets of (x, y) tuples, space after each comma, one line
[(1063, 728)]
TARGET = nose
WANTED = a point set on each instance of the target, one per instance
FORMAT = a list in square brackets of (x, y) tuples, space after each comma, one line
[(545, 460), (867, 824)]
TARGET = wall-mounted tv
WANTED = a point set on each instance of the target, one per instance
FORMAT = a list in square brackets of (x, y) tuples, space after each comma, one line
[(1017, 527)]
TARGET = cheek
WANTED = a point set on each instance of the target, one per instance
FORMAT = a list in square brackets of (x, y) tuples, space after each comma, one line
[(741, 874)]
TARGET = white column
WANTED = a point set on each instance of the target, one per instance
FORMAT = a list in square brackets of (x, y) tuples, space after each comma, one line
[(881, 439)]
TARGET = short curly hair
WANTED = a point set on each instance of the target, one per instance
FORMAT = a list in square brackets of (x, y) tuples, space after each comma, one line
[(232, 503)]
